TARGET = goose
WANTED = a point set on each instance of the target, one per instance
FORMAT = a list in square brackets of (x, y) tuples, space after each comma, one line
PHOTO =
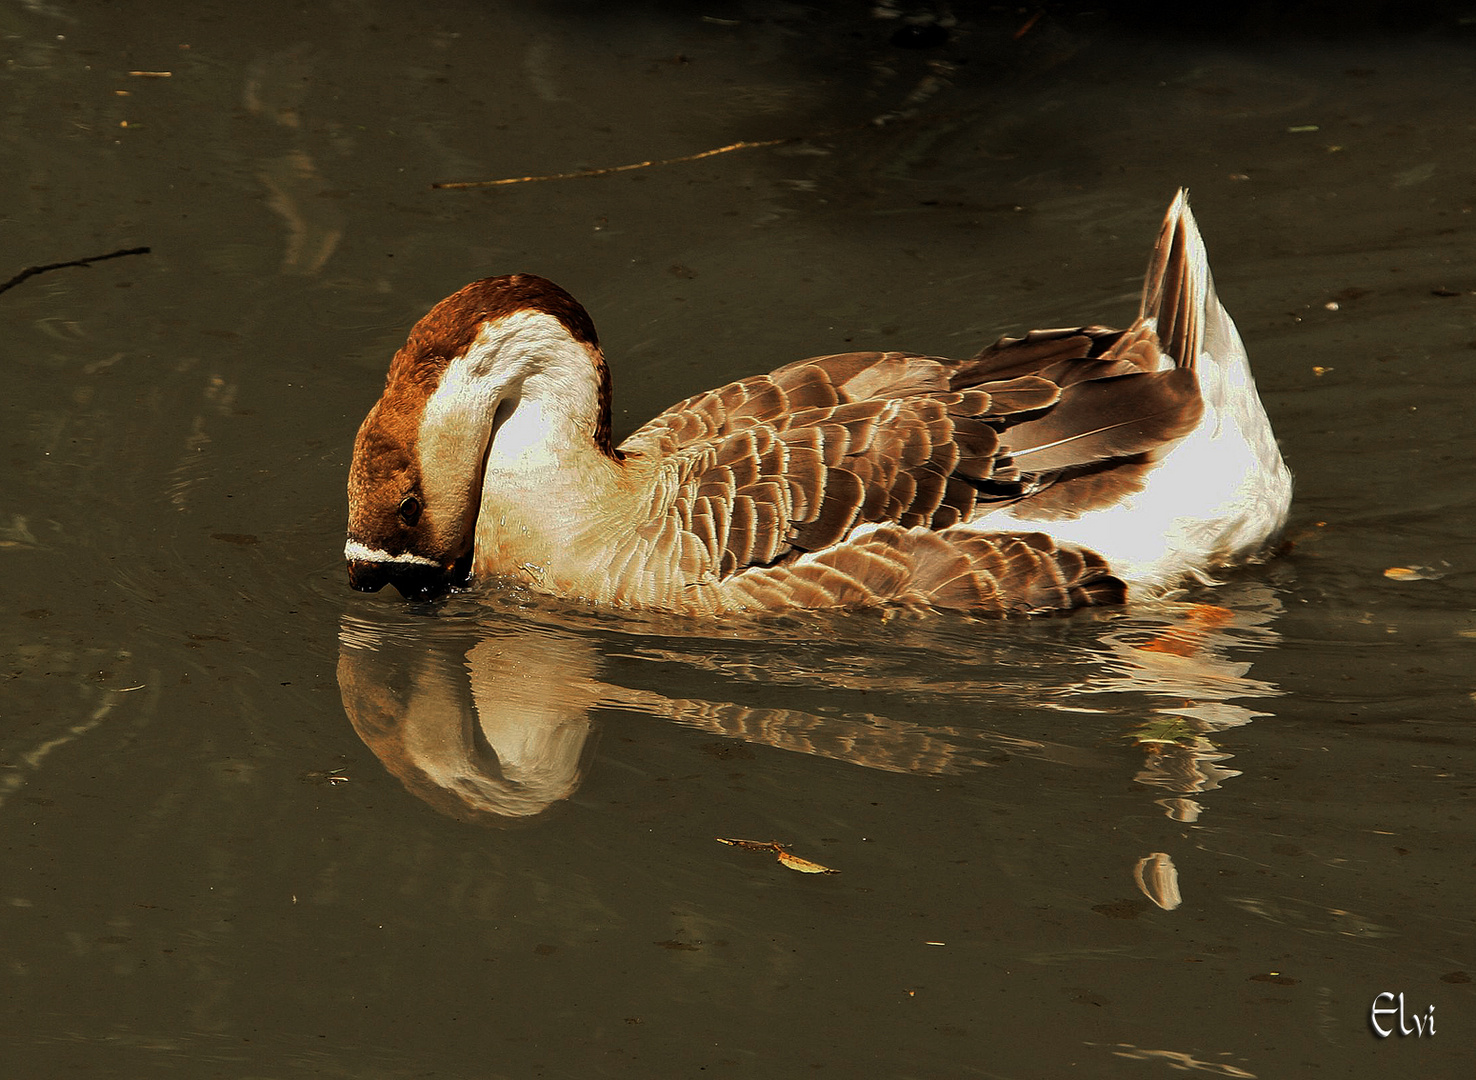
[(1062, 469)]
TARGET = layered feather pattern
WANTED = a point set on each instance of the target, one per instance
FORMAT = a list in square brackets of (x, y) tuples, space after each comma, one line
[(766, 484), (843, 481)]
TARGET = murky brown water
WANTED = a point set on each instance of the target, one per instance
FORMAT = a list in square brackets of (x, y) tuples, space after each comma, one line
[(253, 824)]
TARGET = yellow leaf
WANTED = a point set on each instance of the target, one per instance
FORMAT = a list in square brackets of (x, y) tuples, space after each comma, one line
[(804, 866), (780, 852), (1413, 573)]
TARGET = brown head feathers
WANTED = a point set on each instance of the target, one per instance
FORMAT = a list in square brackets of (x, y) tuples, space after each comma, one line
[(448, 329)]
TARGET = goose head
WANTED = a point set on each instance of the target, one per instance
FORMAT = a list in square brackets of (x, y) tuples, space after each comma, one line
[(505, 374)]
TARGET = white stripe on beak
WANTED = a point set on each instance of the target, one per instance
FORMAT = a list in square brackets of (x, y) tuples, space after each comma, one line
[(354, 551)]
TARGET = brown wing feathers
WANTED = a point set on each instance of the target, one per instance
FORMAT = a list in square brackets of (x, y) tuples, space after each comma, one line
[(1113, 417), (987, 574), (778, 465)]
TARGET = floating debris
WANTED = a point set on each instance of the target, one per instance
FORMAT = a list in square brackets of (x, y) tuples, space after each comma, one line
[(607, 170), (1158, 880), (325, 777), (1415, 573), (32, 271), (780, 852)]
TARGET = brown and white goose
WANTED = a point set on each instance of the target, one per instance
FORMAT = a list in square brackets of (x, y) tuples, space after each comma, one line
[(1051, 471)]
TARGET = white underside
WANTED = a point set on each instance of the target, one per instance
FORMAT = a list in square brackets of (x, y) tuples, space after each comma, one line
[(1218, 497), (1211, 501)]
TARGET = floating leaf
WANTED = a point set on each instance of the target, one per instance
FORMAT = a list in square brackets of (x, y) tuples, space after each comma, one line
[(804, 866), (1413, 573), (1158, 880), (780, 852)]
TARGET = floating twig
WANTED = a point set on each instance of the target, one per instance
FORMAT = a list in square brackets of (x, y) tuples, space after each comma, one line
[(749, 144), (32, 271), (606, 171)]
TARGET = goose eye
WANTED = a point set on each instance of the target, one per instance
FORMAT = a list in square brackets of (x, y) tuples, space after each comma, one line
[(409, 509)]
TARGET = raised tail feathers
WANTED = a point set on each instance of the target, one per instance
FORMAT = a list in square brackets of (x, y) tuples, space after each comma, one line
[(1178, 291)]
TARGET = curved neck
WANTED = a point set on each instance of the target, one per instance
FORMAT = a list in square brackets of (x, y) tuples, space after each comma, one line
[(526, 374), (540, 400)]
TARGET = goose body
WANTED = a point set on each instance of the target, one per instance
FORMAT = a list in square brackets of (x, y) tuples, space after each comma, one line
[(1055, 470)]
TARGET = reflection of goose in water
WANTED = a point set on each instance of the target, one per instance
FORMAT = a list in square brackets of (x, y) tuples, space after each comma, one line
[(499, 730), (1195, 671), (497, 724), (488, 714)]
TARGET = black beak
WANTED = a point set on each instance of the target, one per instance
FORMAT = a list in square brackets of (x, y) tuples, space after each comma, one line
[(415, 581), (367, 576)]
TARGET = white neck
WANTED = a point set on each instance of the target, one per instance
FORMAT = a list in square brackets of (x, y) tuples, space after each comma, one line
[(516, 414), (524, 384)]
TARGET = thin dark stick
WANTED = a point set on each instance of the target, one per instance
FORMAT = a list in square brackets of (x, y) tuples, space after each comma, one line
[(32, 271)]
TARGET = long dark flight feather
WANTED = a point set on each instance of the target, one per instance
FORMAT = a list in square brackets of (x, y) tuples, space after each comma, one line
[(1108, 418)]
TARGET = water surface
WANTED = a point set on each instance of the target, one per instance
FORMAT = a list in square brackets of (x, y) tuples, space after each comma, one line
[(253, 824)]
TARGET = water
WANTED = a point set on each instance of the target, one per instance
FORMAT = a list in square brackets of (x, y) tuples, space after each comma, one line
[(253, 824)]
